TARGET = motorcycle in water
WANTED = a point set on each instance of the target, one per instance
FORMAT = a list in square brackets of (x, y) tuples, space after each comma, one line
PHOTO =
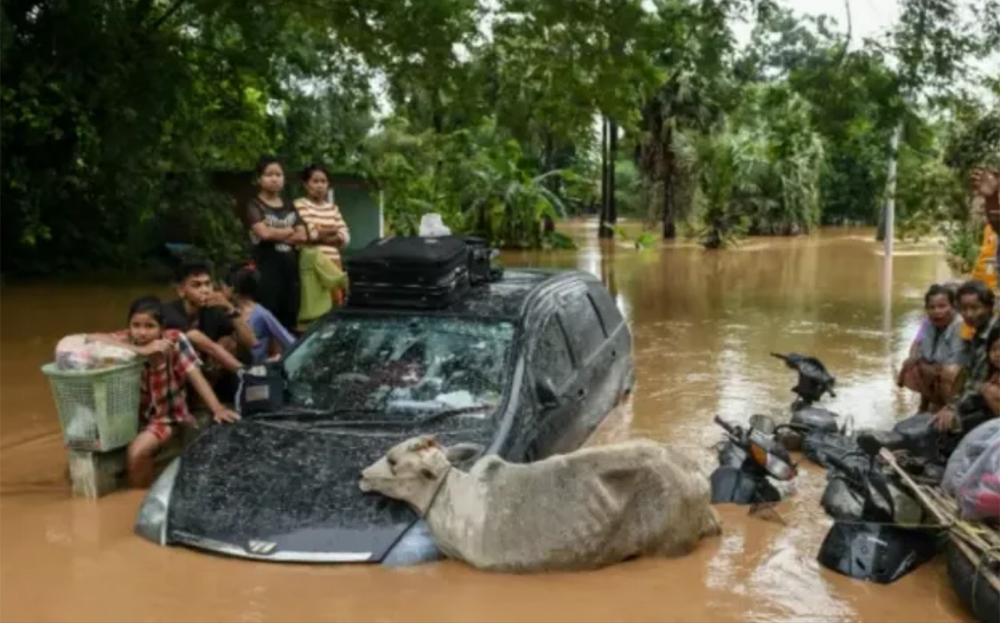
[(813, 430), (747, 459), (919, 442), (814, 379), (876, 534)]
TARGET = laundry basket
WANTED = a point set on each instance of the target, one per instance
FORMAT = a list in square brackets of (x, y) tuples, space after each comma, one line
[(98, 409)]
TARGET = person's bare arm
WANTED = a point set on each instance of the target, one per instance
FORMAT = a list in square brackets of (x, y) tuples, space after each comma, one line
[(333, 236), (274, 349), (200, 384), (299, 235), (986, 184), (244, 334), (328, 235), (207, 347), (275, 234)]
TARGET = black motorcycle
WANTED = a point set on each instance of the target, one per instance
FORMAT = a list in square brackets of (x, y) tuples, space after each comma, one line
[(747, 458), (866, 540), (919, 443), (814, 381)]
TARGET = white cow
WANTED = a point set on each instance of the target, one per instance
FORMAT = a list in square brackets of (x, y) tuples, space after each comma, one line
[(586, 509)]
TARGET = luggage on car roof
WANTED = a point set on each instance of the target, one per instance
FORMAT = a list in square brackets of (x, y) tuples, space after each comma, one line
[(421, 272)]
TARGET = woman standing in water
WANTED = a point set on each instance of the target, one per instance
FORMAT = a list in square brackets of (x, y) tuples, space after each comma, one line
[(275, 228), (327, 228)]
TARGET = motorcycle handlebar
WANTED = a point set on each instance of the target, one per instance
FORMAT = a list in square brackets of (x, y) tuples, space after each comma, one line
[(837, 461), (726, 426)]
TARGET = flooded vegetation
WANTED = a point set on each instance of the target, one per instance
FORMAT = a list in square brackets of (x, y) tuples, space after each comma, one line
[(704, 326)]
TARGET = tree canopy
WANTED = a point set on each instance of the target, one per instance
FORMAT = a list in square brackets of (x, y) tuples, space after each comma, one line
[(116, 114)]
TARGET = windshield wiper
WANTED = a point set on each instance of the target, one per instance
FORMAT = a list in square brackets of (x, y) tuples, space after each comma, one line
[(400, 422), (302, 413), (447, 413), (323, 417)]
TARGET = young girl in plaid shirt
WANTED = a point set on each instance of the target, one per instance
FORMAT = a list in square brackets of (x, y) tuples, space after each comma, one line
[(171, 363)]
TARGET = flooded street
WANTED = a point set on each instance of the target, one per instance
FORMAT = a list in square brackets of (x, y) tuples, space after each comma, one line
[(704, 327)]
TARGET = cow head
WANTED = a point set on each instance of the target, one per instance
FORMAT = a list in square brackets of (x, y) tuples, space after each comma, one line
[(412, 471)]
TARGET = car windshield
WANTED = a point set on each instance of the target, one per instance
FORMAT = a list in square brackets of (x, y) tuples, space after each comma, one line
[(387, 368)]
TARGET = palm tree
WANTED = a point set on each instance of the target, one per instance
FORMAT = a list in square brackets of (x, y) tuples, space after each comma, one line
[(728, 167)]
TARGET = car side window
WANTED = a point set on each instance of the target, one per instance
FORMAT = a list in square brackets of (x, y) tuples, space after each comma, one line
[(586, 333), (551, 359), (606, 306)]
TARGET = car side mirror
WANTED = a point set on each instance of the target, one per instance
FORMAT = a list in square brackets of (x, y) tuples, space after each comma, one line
[(547, 396)]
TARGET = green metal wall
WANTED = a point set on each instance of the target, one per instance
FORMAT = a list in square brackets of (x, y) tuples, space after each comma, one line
[(360, 209)]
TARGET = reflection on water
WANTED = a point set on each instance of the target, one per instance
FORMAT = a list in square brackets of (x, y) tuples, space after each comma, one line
[(704, 326)]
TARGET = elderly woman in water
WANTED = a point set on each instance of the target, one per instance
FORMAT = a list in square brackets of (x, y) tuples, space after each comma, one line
[(936, 355)]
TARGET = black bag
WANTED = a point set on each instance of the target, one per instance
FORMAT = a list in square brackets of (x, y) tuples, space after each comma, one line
[(409, 271), (262, 389)]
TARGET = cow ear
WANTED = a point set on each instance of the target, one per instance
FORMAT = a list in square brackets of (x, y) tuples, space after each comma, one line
[(462, 452)]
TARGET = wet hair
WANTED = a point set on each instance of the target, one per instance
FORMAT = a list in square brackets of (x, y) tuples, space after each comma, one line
[(148, 304), (264, 162), (191, 268), (982, 292), (939, 290), (307, 173)]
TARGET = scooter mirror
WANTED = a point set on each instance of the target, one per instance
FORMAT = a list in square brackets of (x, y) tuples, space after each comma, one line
[(762, 423)]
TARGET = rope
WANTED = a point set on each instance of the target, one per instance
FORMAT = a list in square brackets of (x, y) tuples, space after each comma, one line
[(440, 486)]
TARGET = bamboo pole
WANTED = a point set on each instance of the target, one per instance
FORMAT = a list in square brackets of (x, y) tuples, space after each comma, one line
[(958, 528)]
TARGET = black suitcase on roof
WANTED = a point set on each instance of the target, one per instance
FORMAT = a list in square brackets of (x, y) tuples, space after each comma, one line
[(409, 271)]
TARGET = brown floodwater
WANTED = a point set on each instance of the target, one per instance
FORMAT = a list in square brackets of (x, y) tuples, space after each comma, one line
[(704, 326)]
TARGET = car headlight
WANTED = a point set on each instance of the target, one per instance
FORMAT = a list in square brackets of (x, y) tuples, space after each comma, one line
[(414, 547), (151, 523)]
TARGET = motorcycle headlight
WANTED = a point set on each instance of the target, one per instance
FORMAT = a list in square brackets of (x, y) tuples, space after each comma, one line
[(779, 468), (151, 522), (414, 547), (772, 464)]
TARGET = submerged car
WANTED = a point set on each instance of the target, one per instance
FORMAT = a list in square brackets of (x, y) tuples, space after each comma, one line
[(526, 366)]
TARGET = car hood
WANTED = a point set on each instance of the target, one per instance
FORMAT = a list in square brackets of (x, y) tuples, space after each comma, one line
[(266, 489)]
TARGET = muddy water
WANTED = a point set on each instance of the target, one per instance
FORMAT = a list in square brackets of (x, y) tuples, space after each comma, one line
[(704, 325)]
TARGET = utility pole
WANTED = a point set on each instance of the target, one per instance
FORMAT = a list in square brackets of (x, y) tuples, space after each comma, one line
[(612, 158), (602, 221), (890, 191), (609, 149)]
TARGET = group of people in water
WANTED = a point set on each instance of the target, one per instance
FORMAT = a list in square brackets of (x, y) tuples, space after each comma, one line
[(211, 331), (954, 362)]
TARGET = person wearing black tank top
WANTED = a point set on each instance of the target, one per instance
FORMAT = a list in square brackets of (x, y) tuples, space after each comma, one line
[(275, 228)]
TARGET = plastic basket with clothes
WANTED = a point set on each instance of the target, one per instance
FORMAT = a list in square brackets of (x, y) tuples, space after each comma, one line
[(98, 409)]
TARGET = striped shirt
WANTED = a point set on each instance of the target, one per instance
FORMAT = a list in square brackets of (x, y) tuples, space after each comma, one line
[(323, 216)]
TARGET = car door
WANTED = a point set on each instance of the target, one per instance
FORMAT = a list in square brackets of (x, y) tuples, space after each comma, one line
[(592, 391), (553, 383)]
